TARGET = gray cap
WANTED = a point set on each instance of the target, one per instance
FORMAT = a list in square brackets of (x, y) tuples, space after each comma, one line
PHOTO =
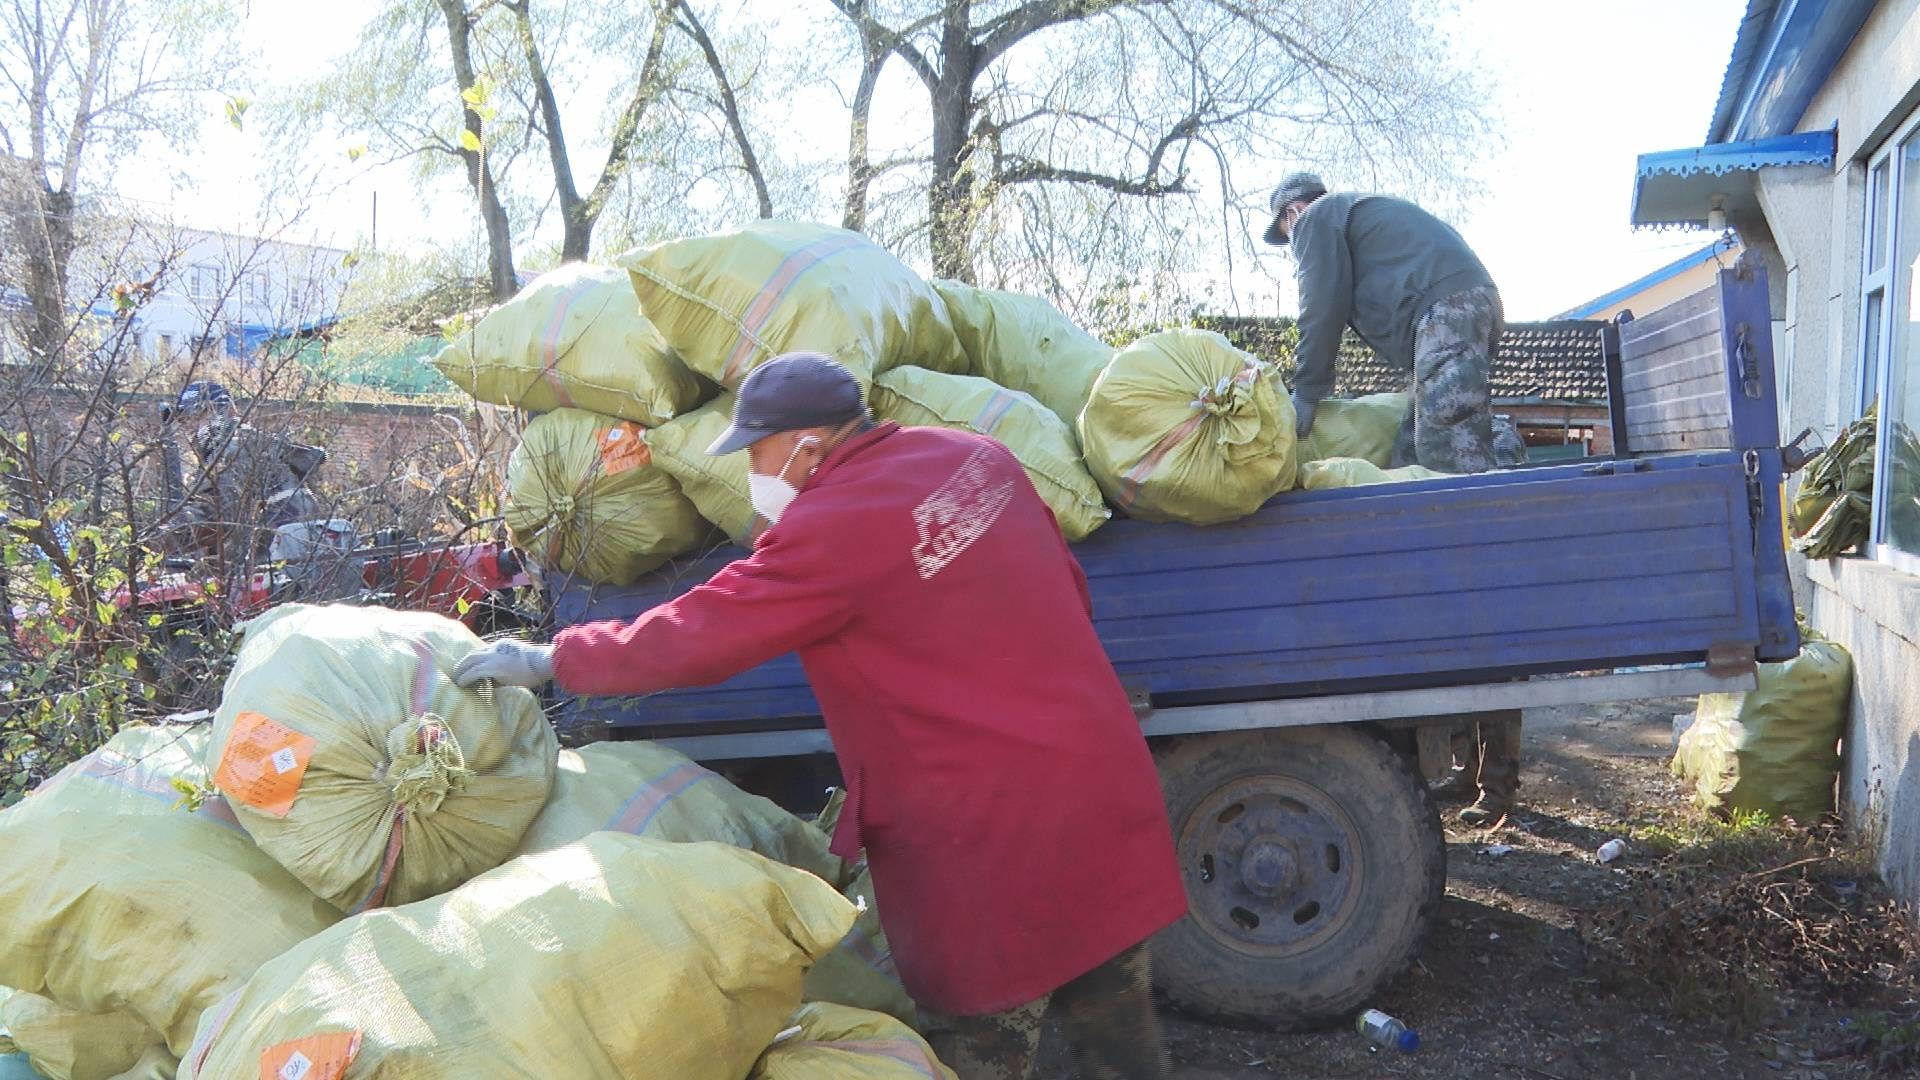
[(1298, 186), (791, 392)]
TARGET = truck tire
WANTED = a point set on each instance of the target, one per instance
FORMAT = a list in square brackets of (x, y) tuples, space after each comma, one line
[(1313, 861)]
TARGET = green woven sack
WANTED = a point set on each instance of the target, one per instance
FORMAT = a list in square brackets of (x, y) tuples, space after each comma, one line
[(717, 485), (573, 339), (1353, 472), (732, 301), (67, 1044), (613, 958), (1024, 343), (584, 497), (352, 758), (165, 913), (833, 1042), (1363, 428), (645, 789), (131, 775), (1774, 748), (1182, 426), (1040, 440)]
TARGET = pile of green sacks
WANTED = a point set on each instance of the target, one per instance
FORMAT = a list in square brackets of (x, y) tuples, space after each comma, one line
[(629, 370), (359, 865)]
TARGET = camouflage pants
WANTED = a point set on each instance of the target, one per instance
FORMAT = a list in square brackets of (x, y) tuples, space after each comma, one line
[(1108, 1016), (1451, 426)]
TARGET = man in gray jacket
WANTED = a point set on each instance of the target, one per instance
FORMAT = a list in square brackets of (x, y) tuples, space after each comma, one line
[(1411, 288)]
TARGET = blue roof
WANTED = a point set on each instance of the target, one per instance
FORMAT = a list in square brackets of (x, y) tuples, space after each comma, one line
[(1672, 270), (1784, 52), (1680, 187)]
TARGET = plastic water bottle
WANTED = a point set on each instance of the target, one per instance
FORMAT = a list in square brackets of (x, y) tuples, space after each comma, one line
[(1386, 1032)]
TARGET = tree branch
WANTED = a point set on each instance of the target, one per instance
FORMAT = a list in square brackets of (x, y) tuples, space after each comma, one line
[(690, 23), (1028, 171), (860, 12), (1008, 30), (627, 127)]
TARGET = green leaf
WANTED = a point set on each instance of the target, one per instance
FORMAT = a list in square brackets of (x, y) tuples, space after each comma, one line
[(461, 606), (470, 141), (355, 153), (237, 110)]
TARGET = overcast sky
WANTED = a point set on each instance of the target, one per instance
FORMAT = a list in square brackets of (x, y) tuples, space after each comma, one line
[(1583, 88)]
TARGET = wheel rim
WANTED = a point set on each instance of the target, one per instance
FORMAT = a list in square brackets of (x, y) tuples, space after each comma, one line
[(1272, 865)]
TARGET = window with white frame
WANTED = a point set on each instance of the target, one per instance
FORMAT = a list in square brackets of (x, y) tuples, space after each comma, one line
[(204, 282), (1890, 340)]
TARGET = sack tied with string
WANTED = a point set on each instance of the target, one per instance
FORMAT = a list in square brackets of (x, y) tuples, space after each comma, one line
[(351, 757)]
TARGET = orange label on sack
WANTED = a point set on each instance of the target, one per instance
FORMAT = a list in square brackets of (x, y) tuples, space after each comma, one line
[(623, 447), (263, 764), (316, 1057)]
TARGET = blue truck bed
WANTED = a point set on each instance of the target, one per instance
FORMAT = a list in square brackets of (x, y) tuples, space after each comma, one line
[(1668, 553)]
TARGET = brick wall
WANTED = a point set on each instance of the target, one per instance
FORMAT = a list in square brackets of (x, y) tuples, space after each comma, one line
[(385, 460)]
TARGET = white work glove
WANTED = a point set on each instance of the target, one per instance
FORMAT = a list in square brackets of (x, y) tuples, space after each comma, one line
[(510, 662)]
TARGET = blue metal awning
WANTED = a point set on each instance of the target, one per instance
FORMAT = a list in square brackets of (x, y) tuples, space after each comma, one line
[(1682, 187)]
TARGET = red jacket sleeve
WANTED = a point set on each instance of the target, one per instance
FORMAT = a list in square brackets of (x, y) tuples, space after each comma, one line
[(792, 591)]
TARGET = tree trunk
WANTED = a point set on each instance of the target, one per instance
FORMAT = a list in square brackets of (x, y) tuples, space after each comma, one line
[(49, 235), (576, 217), (859, 155), (949, 196), (479, 173)]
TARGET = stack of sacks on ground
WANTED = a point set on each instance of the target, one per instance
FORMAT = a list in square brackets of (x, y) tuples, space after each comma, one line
[(1042, 442), (833, 1042), (124, 909), (350, 756), (615, 956), (1182, 426), (647, 790), (584, 496), (1024, 343), (573, 339)]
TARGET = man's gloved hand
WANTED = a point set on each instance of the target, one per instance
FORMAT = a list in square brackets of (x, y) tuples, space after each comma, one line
[(514, 663), (1303, 414)]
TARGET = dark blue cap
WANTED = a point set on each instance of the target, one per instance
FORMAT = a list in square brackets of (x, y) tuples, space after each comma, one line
[(791, 392), (195, 394)]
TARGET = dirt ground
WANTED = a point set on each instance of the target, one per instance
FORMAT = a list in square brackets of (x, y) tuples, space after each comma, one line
[(1505, 987)]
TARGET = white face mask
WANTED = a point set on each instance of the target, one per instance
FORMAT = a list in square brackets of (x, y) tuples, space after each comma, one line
[(771, 495)]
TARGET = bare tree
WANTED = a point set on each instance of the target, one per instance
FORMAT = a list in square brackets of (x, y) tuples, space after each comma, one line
[(471, 146), (84, 81), (1115, 97), (579, 213)]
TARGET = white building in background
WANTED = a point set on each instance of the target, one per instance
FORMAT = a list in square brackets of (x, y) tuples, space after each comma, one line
[(222, 294)]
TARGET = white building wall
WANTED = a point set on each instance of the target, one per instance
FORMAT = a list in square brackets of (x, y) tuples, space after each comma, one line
[(217, 284), (1871, 608)]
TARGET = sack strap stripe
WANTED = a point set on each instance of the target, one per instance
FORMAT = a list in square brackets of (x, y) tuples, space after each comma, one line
[(644, 805), (790, 270)]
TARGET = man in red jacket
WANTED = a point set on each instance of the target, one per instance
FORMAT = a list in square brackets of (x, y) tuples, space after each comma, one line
[(995, 774)]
